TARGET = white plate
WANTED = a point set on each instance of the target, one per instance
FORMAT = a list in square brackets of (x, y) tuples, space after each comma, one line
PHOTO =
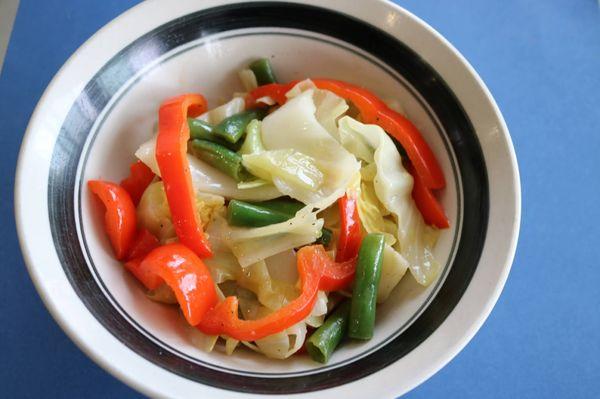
[(102, 104)]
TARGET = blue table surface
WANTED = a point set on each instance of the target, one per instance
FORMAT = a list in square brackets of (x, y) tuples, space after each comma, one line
[(541, 61)]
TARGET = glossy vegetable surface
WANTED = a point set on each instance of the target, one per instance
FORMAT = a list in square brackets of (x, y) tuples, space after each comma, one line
[(364, 292), (171, 149), (119, 218)]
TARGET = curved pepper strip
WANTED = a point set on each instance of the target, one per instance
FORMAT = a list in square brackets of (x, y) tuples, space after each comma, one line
[(140, 177), (350, 229), (171, 149), (120, 217), (143, 244), (186, 275), (317, 272), (430, 208)]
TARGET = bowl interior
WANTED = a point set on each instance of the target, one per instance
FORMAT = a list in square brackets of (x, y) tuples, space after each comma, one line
[(209, 66)]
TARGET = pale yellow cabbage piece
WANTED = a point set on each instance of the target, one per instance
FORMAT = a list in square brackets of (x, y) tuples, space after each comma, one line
[(372, 214), (248, 79), (295, 126), (393, 186), (251, 245), (393, 269), (287, 169), (216, 115), (207, 179), (154, 215), (284, 344)]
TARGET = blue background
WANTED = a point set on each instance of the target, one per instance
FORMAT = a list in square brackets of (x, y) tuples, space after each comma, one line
[(541, 61)]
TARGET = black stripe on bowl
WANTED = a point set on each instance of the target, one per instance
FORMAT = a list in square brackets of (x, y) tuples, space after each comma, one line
[(103, 86)]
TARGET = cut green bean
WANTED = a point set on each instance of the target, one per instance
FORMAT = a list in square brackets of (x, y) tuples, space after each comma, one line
[(240, 213), (220, 157), (263, 71), (201, 130), (282, 205), (366, 281), (232, 129), (326, 338), (325, 238)]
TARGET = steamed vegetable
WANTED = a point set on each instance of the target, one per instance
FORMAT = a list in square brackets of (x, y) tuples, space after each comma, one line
[(393, 268), (350, 234), (241, 213), (315, 273), (232, 128), (393, 187), (320, 175), (207, 179), (263, 71), (220, 157), (171, 148), (119, 217), (218, 114), (251, 245), (140, 176), (323, 342), (187, 276), (252, 143), (366, 282)]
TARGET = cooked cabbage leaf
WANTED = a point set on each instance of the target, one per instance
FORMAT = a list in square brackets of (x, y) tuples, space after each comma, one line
[(393, 269), (251, 245), (216, 115), (207, 179), (294, 126), (393, 186)]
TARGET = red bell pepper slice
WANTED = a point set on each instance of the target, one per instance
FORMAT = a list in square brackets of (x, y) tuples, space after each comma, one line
[(119, 218), (186, 275), (147, 277), (140, 176), (317, 272), (350, 231), (276, 91), (143, 243), (171, 149), (428, 205)]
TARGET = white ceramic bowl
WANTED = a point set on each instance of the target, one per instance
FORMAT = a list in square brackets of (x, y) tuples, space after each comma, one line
[(102, 104)]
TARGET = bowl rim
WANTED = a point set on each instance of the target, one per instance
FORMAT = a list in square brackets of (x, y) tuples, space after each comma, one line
[(430, 363)]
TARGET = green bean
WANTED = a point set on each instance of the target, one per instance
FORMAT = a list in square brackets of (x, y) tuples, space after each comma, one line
[(263, 71), (366, 281), (231, 129), (220, 157), (205, 131), (326, 338), (240, 213), (325, 238), (283, 205)]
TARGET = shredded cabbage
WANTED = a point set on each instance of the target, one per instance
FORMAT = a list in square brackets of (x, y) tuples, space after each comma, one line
[(295, 126), (207, 179), (287, 169), (372, 213), (393, 186), (248, 79), (154, 215), (251, 245), (216, 115), (285, 343), (393, 269)]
